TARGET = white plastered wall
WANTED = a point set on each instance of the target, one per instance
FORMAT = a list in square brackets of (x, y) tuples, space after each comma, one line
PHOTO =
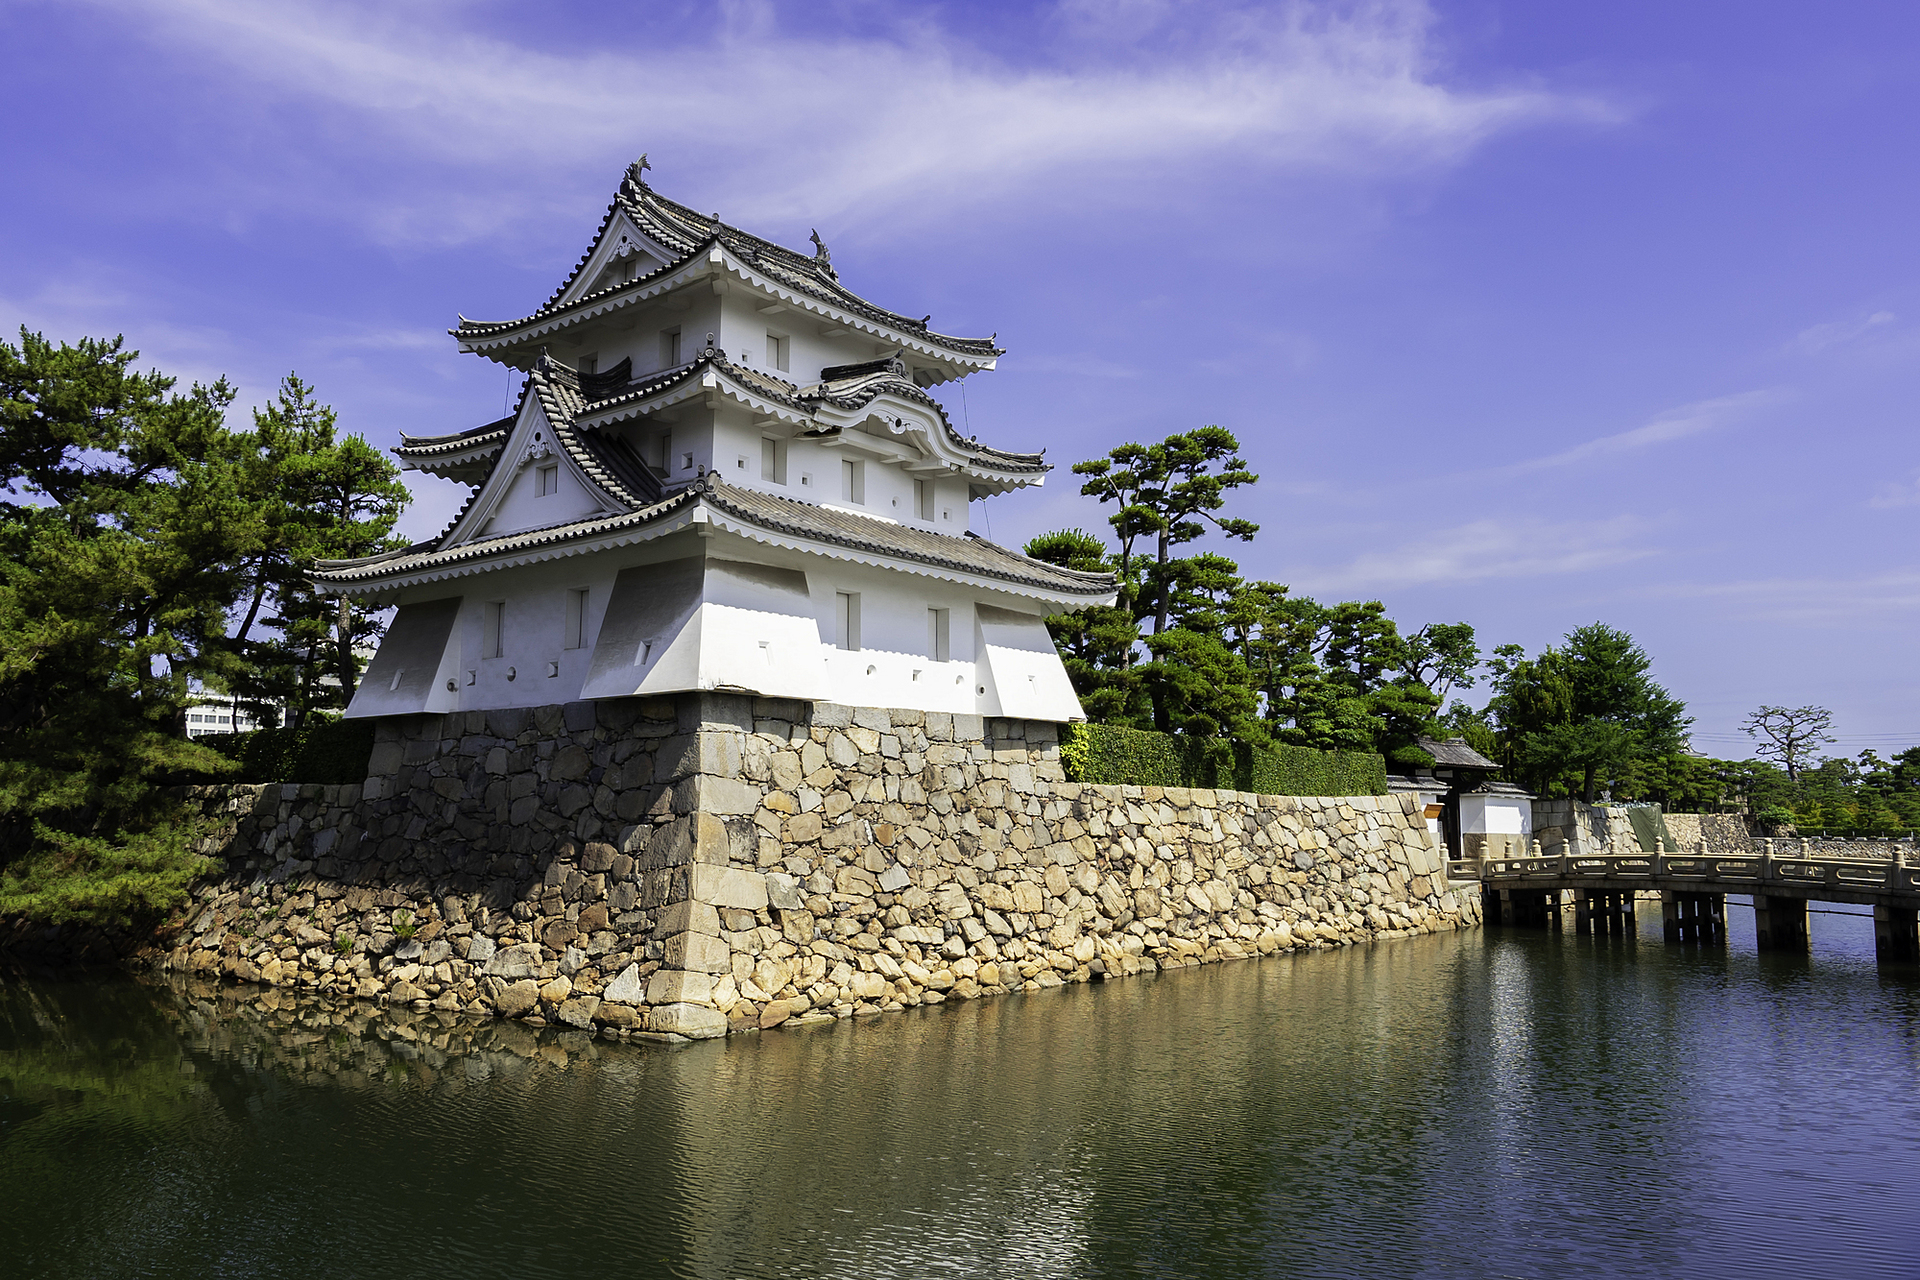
[(692, 613), (1496, 815)]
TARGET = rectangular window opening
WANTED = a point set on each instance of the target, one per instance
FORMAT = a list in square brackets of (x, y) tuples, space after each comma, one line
[(777, 352), (773, 460), (923, 499), (853, 481), (846, 620), (490, 643), (939, 634), (577, 618), (669, 348), (547, 480)]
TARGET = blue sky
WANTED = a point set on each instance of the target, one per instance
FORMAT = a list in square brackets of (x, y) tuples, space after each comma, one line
[(1528, 315)]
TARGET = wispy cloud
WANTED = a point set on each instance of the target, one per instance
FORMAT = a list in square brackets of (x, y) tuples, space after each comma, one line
[(1822, 336), (1867, 599), (1674, 424), (1485, 549), (1903, 493), (774, 124)]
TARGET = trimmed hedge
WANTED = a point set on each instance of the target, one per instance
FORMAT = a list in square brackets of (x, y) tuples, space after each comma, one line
[(329, 752), (1111, 755)]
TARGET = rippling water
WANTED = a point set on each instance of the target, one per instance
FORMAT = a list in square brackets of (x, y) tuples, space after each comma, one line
[(1511, 1104)]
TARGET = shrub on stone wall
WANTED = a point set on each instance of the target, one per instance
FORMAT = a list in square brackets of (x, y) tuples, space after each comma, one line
[(1113, 756), (328, 752)]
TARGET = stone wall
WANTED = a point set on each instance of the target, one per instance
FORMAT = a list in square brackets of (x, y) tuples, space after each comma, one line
[(708, 863)]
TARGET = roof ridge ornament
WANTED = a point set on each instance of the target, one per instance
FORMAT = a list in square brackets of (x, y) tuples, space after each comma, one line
[(711, 352), (637, 169), (822, 256)]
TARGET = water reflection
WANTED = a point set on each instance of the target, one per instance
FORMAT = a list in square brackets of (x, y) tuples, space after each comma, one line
[(1449, 1106)]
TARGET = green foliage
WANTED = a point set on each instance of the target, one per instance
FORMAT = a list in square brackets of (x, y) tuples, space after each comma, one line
[(120, 530), (1112, 755), (1118, 756), (404, 925), (1192, 648), (1583, 715), (320, 497), (134, 526), (330, 752), (129, 878)]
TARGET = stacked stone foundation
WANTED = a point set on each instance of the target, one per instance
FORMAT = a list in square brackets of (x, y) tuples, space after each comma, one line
[(711, 863)]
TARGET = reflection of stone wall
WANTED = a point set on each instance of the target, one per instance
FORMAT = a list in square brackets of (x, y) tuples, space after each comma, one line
[(697, 864)]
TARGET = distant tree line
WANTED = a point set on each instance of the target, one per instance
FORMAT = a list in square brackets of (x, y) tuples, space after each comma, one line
[(148, 550), (1192, 648)]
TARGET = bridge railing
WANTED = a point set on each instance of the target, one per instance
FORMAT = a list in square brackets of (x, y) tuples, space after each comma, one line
[(1895, 875)]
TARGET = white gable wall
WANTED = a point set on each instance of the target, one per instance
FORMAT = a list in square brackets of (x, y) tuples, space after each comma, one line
[(525, 507), (732, 626)]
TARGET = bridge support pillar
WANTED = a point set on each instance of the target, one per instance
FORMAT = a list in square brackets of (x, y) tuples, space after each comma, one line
[(1603, 912), (1896, 933), (1780, 924), (1693, 917), (1524, 908)]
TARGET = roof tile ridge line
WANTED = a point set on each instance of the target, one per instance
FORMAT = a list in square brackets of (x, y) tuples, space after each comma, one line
[(480, 432), (1058, 568), (715, 226), (603, 524), (396, 552), (606, 220), (553, 308), (846, 541)]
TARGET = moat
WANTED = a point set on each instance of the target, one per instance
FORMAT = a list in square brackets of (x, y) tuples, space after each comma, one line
[(1465, 1104)]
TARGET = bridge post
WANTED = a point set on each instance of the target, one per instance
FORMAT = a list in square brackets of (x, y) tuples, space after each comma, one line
[(1583, 911), (1693, 917), (1780, 924), (1896, 934)]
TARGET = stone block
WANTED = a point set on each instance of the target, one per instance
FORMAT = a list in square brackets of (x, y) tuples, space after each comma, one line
[(725, 797), (672, 986), (699, 951), (730, 887), (579, 716), (795, 926), (831, 715), (516, 998), (578, 1012), (895, 878), (627, 987), (514, 962), (695, 1022), (691, 916), (783, 892)]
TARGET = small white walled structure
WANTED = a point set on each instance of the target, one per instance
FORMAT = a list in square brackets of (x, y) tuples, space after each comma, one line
[(1506, 812), (661, 516)]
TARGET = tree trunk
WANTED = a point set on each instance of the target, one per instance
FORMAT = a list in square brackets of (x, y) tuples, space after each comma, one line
[(1160, 587), (344, 643), (253, 610)]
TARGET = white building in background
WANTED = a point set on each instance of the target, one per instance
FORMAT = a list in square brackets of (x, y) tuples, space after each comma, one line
[(222, 713), (724, 473)]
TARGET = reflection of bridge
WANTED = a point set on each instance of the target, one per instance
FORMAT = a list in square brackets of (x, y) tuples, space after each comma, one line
[(1693, 888)]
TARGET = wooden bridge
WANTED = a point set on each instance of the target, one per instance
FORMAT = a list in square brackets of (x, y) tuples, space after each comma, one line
[(1693, 887)]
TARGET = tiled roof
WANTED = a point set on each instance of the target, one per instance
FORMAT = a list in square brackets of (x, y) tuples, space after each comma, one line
[(969, 554), (684, 233), (753, 514), (1454, 753), (491, 435), (850, 387)]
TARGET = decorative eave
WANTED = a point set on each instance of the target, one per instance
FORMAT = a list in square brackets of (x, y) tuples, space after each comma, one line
[(701, 246), (763, 518), (465, 455)]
